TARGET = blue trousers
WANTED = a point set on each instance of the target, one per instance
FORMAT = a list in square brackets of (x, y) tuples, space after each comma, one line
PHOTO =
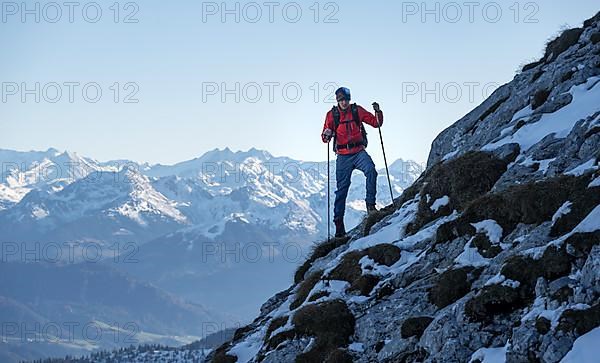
[(344, 165)]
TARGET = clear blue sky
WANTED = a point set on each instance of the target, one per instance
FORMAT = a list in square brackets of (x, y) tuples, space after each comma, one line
[(171, 51)]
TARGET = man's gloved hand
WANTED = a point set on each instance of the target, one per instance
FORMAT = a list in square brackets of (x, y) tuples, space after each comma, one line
[(376, 107), (327, 135)]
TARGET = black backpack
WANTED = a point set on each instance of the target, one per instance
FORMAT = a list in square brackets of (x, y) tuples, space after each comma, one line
[(355, 118)]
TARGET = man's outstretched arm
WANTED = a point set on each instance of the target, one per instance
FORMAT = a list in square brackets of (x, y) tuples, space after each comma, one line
[(367, 117)]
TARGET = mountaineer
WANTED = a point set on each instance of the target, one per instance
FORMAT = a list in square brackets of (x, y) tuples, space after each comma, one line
[(344, 124)]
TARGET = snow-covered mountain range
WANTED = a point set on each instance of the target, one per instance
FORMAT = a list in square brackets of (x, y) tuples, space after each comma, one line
[(48, 170), (62, 196)]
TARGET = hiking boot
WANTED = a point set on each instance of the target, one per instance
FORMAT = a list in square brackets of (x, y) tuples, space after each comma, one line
[(340, 230), (371, 209)]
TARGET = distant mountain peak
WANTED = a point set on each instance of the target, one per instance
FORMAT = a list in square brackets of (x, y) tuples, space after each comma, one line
[(52, 151), (226, 154), (68, 155)]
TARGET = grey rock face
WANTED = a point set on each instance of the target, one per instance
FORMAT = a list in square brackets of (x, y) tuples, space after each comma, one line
[(527, 297), (486, 122), (590, 278)]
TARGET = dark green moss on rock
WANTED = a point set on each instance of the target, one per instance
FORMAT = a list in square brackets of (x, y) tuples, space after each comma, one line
[(319, 251), (274, 325), (583, 243), (221, 355), (542, 325), (485, 247), (563, 42), (554, 263), (240, 332), (304, 289), (450, 286), (279, 338), (491, 301), (531, 65), (531, 203), (539, 98), (567, 75), (364, 284), (385, 290), (462, 179), (414, 327), (317, 295), (331, 324), (384, 254), (349, 270), (563, 294), (584, 200), (580, 321), (454, 229)]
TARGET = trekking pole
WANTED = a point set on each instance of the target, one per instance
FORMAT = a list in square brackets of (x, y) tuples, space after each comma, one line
[(384, 158), (328, 198)]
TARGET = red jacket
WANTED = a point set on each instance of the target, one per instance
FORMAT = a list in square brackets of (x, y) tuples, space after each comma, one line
[(349, 133)]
